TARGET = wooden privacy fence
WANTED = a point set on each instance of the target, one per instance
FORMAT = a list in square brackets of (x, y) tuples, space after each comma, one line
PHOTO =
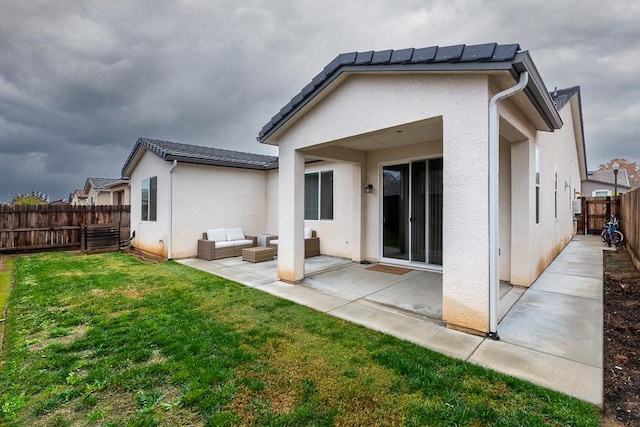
[(630, 224), (48, 227), (595, 211)]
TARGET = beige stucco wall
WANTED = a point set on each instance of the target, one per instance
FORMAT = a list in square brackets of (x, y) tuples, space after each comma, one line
[(203, 197), (216, 197), (335, 235), (272, 202), (151, 236), (126, 194), (534, 246)]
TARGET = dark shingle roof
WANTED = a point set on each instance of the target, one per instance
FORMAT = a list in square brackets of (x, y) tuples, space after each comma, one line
[(102, 183), (608, 177), (562, 96), (188, 153), (489, 56)]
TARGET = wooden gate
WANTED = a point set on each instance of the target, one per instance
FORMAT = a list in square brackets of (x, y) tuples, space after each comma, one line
[(595, 211)]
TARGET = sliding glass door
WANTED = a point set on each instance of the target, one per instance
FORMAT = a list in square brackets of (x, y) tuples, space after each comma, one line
[(412, 212)]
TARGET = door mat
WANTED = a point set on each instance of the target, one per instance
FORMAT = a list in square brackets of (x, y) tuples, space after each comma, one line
[(389, 269)]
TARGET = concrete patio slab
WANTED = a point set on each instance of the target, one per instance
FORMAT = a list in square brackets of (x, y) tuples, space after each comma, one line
[(566, 284), (556, 324), (576, 269), (303, 296), (568, 376)]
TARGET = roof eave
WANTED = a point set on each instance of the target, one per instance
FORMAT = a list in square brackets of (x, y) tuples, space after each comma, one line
[(222, 163), (536, 90)]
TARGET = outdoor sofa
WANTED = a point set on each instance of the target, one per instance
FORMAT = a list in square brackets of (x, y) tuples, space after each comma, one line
[(311, 243), (224, 243)]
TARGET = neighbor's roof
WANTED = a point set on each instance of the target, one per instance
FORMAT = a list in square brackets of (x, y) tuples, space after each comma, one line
[(102, 183), (608, 177), (483, 57), (561, 97), (188, 153)]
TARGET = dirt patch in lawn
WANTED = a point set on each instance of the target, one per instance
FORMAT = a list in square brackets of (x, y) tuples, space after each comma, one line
[(621, 340)]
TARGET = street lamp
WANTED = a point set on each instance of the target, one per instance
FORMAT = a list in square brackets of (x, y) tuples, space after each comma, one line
[(616, 167)]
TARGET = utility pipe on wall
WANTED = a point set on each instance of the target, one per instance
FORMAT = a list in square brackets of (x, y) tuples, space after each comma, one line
[(494, 205), (170, 231)]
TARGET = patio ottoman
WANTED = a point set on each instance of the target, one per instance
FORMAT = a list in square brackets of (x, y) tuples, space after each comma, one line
[(257, 254)]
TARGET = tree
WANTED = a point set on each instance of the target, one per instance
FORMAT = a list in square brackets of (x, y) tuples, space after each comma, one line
[(631, 167), (34, 198)]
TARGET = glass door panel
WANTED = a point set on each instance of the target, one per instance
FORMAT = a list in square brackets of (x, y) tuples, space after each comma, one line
[(435, 211), (395, 208), (418, 218)]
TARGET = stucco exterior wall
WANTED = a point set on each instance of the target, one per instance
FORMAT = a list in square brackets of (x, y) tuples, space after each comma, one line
[(534, 246), (335, 234), (557, 153), (151, 236), (272, 202), (215, 197)]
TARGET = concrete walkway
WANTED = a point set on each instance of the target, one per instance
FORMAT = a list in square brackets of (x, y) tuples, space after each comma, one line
[(551, 334)]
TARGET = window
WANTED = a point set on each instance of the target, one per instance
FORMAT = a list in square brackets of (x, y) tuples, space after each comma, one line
[(149, 198), (318, 195), (555, 194), (537, 185)]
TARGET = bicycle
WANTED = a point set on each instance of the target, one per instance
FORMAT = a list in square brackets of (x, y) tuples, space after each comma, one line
[(610, 234)]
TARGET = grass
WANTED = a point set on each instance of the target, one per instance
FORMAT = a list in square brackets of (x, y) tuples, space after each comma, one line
[(6, 272), (107, 340)]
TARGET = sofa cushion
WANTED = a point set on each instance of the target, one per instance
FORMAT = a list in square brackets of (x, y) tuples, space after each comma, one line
[(234, 234), (216, 235), (242, 242), (308, 232), (273, 242), (220, 245)]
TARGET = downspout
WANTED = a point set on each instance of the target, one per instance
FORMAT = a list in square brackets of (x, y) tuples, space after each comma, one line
[(494, 206), (170, 232)]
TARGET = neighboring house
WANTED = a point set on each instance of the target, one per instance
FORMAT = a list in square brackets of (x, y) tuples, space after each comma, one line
[(78, 198), (107, 191), (602, 183), (416, 128)]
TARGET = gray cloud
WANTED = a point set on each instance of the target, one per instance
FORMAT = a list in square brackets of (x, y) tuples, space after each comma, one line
[(80, 81)]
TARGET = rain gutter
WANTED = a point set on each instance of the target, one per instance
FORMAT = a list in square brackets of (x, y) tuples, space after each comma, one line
[(494, 206)]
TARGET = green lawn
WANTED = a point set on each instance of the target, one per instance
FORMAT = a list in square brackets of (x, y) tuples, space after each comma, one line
[(108, 340)]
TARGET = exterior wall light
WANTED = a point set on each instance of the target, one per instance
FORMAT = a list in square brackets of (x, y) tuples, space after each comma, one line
[(368, 188)]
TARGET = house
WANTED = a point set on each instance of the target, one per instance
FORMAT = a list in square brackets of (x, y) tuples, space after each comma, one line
[(107, 191), (461, 161), (455, 159), (78, 198), (602, 183)]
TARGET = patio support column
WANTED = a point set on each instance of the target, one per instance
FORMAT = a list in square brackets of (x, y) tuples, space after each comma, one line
[(291, 212), (465, 279)]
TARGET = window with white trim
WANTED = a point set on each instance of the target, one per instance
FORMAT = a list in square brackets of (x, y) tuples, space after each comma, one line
[(149, 198), (318, 195), (537, 185), (555, 194)]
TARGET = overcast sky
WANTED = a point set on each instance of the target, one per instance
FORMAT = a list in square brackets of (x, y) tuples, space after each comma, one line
[(80, 81)]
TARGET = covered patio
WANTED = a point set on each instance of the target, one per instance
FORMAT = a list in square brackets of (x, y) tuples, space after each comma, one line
[(551, 333)]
